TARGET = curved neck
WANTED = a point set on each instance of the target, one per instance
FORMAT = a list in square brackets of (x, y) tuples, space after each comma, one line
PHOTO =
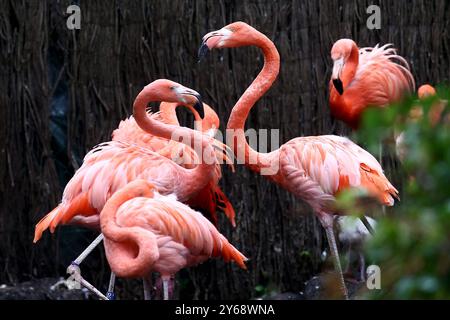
[(168, 113), (253, 159), (201, 173), (351, 64), (128, 249)]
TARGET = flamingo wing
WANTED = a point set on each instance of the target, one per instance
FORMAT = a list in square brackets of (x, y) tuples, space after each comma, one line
[(182, 231), (317, 168), (106, 169), (382, 76)]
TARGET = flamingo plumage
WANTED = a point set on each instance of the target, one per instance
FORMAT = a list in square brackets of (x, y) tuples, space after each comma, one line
[(147, 232), (366, 77), (112, 165), (209, 198), (314, 168)]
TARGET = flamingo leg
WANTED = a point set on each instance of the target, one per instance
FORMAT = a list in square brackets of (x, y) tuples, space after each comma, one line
[(147, 281), (88, 250), (327, 222), (112, 280), (349, 259), (362, 265), (75, 273), (166, 280)]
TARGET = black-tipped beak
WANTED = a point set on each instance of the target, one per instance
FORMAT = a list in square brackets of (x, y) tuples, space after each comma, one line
[(198, 106), (202, 51), (338, 85)]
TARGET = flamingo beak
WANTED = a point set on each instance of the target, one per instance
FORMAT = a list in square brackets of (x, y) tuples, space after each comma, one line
[(185, 96), (212, 40), (203, 51), (335, 76), (198, 105), (338, 85)]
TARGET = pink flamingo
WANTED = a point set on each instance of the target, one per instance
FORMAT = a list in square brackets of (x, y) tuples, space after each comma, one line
[(93, 183), (112, 165), (146, 232), (366, 77), (211, 197), (314, 168)]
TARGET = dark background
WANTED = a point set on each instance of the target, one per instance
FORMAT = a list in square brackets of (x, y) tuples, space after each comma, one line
[(62, 92)]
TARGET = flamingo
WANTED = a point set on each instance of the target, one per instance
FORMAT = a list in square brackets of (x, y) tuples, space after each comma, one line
[(314, 168), (145, 231), (366, 77), (425, 91), (112, 165), (209, 198)]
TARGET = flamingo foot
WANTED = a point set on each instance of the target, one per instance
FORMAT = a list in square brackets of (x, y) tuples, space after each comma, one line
[(75, 276)]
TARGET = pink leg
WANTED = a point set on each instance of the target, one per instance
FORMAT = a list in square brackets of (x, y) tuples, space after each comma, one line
[(168, 284), (327, 222)]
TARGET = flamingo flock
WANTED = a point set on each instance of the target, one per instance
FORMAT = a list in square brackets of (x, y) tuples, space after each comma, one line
[(141, 190)]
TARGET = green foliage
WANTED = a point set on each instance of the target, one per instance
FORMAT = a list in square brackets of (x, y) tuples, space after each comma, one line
[(412, 243)]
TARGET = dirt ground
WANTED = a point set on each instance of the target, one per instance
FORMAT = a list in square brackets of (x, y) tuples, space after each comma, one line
[(55, 289)]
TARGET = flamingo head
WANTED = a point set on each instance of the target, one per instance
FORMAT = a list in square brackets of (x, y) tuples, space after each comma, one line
[(426, 91), (210, 122), (236, 34), (340, 53), (170, 91)]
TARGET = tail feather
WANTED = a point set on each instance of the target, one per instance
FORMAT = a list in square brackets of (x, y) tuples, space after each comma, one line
[(230, 253), (64, 213), (44, 223), (211, 198), (225, 205), (378, 186)]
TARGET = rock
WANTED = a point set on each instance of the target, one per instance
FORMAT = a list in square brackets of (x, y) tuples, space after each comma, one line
[(42, 289)]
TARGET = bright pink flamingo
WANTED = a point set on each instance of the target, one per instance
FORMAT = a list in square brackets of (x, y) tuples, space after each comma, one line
[(211, 197), (314, 168), (146, 232), (366, 77)]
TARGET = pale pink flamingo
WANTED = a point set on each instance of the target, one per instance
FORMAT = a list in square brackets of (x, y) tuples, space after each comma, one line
[(146, 232), (314, 168), (366, 77)]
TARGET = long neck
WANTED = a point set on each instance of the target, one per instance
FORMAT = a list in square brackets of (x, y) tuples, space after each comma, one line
[(201, 174), (130, 250), (253, 159), (168, 112), (349, 70)]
